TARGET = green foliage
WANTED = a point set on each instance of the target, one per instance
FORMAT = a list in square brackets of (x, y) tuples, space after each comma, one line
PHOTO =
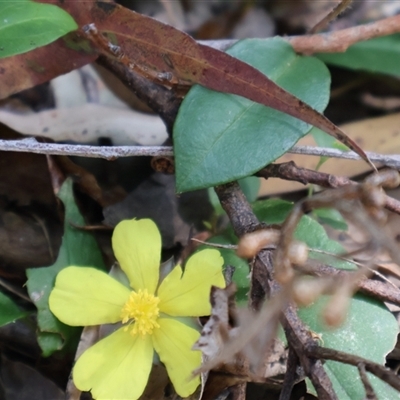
[(9, 311), (376, 55), (370, 331), (331, 217), (78, 248), (215, 133), (26, 25)]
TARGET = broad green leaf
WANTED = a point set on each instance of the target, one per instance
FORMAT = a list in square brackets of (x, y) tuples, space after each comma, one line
[(370, 331), (219, 137), (375, 55), (26, 25), (331, 217), (78, 248), (9, 311), (272, 211)]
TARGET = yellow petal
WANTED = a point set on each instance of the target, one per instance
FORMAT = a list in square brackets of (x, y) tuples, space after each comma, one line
[(87, 296), (189, 295), (115, 368), (173, 342), (137, 247)]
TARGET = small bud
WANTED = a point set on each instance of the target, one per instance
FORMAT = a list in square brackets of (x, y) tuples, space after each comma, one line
[(307, 289), (250, 244), (298, 253), (335, 311), (373, 196), (284, 272)]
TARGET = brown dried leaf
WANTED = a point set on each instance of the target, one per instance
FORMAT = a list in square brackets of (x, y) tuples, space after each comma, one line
[(40, 65), (224, 348)]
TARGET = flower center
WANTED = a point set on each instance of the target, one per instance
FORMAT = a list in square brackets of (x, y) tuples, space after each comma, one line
[(141, 311)]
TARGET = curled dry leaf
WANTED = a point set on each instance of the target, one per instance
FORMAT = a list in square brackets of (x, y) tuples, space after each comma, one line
[(247, 348), (217, 330), (237, 366)]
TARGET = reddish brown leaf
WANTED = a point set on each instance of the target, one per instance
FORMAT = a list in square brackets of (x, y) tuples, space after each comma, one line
[(40, 65)]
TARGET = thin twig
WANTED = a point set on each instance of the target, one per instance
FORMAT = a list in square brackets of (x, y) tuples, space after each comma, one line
[(290, 376), (358, 264), (290, 171), (30, 145), (244, 221), (332, 42), (378, 370), (373, 288), (332, 15), (369, 390)]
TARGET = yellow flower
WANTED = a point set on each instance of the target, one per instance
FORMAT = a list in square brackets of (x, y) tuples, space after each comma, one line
[(118, 366)]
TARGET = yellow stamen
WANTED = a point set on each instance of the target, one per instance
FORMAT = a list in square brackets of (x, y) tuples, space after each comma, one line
[(141, 310)]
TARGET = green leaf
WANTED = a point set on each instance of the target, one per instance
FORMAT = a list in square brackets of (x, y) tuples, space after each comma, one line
[(272, 211), (376, 55), (308, 230), (370, 331), (78, 248), (331, 217), (219, 137), (9, 311), (26, 25)]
